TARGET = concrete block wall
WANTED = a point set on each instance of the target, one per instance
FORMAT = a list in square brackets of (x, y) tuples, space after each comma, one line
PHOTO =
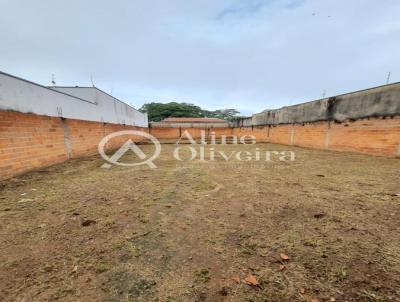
[(30, 141), (382, 101)]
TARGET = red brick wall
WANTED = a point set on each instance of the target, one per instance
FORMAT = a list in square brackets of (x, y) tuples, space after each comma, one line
[(375, 136), (29, 141), (261, 133), (85, 136), (370, 136), (281, 134), (310, 135), (165, 133), (173, 134)]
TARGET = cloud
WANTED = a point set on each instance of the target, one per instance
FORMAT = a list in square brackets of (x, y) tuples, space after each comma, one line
[(242, 9), (250, 55)]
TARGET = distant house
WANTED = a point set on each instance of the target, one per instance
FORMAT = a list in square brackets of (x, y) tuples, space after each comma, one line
[(191, 122)]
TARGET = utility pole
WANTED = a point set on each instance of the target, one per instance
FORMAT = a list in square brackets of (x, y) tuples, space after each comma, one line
[(388, 78), (323, 94), (53, 79)]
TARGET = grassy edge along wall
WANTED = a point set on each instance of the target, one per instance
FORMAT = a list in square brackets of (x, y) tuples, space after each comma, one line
[(30, 141)]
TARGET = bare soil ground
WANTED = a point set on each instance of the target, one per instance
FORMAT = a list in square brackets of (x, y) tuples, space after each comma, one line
[(194, 231)]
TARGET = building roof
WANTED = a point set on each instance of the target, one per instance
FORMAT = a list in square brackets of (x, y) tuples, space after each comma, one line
[(193, 120)]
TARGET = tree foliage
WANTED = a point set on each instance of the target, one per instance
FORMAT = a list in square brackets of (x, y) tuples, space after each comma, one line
[(159, 111), (226, 114)]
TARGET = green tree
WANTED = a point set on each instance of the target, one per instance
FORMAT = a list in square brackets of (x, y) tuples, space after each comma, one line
[(159, 111), (226, 114)]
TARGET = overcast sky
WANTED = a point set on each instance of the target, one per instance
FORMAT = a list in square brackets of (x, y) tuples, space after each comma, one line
[(244, 54)]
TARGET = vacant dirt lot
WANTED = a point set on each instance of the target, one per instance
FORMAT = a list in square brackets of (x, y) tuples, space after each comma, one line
[(204, 231)]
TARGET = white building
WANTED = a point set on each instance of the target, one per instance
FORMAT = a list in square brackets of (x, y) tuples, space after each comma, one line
[(82, 103)]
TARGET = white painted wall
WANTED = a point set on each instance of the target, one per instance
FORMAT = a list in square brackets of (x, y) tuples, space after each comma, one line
[(189, 125), (89, 104)]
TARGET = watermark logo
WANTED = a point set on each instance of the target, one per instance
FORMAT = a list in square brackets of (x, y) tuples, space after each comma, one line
[(187, 148), (129, 145), (212, 139), (197, 151)]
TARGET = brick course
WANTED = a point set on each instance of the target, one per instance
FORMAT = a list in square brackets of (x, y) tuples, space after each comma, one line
[(29, 141), (374, 136)]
